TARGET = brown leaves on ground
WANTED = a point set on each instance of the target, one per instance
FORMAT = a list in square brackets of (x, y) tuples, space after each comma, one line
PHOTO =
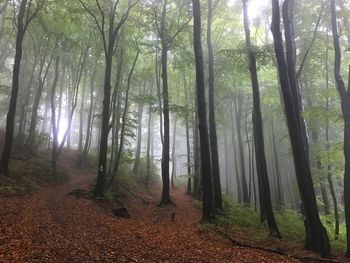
[(52, 226)]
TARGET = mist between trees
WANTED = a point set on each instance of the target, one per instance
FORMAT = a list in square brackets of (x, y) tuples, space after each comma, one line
[(241, 102)]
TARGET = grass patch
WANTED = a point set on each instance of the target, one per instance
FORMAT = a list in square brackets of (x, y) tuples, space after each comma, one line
[(243, 219), (27, 176)]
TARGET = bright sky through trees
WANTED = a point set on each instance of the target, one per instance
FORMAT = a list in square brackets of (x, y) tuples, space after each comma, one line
[(254, 7)]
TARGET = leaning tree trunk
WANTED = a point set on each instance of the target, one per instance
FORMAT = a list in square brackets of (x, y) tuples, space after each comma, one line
[(317, 238), (264, 185), (208, 195)]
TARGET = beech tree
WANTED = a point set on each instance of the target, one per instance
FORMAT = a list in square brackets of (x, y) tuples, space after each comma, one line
[(206, 170), (317, 238), (344, 94), (26, 13)]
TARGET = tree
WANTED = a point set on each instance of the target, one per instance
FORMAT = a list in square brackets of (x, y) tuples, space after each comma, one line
[(344, 94), (264, 185), (23, 20), (317, 238), (109, 33), (206, 169), (212, 120)]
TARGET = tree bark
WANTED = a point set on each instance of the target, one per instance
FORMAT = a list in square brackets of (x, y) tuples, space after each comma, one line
[(280, 196), (166, 140), (139, 138), (10, 118), (122, 131), (243, 179), (317, 239), (212, 119), (264, 189), (207, 180), (344, 94), (173, 156)]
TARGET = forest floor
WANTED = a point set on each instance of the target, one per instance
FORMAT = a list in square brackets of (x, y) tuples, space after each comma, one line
[(51, 225)]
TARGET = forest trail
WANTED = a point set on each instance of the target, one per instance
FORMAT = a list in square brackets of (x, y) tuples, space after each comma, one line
[(52, 226)]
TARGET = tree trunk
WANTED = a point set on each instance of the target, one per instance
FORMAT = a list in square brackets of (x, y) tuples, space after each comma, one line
[(149, 134), (173, 156), (81, 117), (139, 138), (102, 160), (212, 120), (207, 180), (54, 124), (265, 201), (235, 159), (166, 141), (317, 239), (345, 107), (122, 131), (24, 107), (280, 196), (196, 158), (288, 14), (10, 118), (238, 109), (89, 121)]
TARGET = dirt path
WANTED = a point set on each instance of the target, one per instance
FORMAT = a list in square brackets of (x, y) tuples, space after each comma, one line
[(51, 226)]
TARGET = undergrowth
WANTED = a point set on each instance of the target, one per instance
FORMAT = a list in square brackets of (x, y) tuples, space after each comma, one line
[(243, 219), (27, 176)]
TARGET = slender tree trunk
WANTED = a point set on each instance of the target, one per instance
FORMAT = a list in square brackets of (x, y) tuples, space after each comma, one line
[(149, 134), (89, 121), (166, 141), (235, 159), (188, 154), (10, 118), (196, 154), (81, 117), (173, 156), (24, 107), (317, 238), (227, 171), (329, 171), (238, 109), (280, 196), (139, 138), (288, 14), (212, 120), (102, 160), (206, 169), (265, 201), (344, 94), (122, 131), (53, 117)]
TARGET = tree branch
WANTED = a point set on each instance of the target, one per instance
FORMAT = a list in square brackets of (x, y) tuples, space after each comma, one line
[(311, 43)]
